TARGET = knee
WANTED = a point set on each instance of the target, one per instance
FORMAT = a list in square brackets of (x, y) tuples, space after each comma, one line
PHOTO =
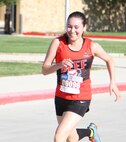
[(59, 137)]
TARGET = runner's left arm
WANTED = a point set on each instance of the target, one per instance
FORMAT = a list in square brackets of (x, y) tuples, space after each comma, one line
[(102, 54)]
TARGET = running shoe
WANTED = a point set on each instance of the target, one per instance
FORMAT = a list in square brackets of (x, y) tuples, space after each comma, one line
[(94, 135)]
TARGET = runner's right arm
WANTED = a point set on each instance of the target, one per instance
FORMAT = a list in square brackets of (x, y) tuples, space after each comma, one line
[(48, 67)]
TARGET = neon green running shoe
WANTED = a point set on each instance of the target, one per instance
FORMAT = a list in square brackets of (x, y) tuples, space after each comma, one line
[(94, 137)]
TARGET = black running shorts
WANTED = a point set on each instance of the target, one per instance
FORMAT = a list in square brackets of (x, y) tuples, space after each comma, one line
[(77, 106)]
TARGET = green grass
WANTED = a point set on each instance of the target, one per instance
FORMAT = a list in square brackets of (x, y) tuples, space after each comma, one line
[(113, 46), (14, 68), (14, 44)]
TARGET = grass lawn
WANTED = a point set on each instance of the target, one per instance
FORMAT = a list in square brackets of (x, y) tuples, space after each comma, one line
[(15, 44), (113, 46), (14, 68)]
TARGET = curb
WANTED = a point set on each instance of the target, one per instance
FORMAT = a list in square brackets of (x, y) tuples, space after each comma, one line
[(88, 36), (106, 37), (49, 94)]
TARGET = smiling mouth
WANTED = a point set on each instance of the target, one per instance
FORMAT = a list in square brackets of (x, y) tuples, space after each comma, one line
[(73, 35)]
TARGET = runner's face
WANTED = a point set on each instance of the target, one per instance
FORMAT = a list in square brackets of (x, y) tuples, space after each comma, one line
[(74, 28)]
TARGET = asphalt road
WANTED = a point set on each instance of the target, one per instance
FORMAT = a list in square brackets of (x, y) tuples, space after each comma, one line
[(35, 121)]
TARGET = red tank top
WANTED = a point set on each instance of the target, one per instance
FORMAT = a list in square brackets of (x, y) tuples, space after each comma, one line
[(74, 83)]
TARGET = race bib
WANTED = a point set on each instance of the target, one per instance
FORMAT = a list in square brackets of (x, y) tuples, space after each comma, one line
[(71, 82)]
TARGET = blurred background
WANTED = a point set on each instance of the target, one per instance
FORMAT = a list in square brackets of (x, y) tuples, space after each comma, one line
[(49, 16)]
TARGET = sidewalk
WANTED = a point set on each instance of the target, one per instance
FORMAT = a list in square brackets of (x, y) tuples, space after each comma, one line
[(35, 87)]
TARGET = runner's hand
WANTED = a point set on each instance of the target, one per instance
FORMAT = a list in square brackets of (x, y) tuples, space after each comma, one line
[(114, 89), (67, 63)]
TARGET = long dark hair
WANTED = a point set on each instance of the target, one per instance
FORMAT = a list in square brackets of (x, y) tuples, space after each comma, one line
[(78, 15)]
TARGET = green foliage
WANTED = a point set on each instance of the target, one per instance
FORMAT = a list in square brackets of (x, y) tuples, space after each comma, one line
[(7, 2), (105, 15)]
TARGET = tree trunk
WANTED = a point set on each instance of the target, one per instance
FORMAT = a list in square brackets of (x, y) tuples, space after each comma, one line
[(7, 28)]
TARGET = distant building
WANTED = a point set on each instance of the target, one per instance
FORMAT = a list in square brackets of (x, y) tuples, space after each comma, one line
[(41, 15)]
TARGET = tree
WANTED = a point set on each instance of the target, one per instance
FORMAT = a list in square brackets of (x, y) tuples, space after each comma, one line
[(8, 4), (106, 15)]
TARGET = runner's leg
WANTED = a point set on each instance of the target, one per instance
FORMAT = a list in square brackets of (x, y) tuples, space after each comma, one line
[(66, 128)]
